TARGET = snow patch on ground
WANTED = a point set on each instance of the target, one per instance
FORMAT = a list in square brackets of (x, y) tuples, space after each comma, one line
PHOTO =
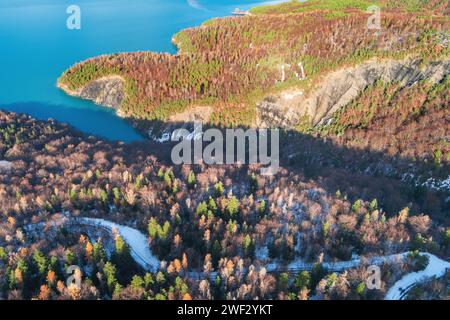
[(141, 253), (300, 264), (430, 183), (137, 241), (436, 268), (5, 166), (435, 184), (262, 253)]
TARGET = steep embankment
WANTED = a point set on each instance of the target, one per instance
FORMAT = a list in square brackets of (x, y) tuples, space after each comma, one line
[(107, 91), (339, 88), (286, 109)]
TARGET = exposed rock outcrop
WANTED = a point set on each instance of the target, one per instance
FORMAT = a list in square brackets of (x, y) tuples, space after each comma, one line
[(194, 114), (106, 91), (341, 87), (286, 110)]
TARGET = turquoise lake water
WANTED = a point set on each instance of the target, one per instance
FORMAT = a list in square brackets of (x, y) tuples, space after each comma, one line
[(36, 47)]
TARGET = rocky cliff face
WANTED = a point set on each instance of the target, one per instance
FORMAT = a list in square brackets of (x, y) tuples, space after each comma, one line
[(107, 91), (341, 87), (285, 110)]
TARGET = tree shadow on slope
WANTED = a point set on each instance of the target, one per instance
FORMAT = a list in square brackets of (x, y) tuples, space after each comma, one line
[(357, 174), (396, 182)]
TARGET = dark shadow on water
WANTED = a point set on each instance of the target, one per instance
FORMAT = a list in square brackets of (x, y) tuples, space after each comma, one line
[(97, 121)]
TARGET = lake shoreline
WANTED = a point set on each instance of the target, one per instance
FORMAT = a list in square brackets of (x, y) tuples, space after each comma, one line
[(28, 85), (137, 123)]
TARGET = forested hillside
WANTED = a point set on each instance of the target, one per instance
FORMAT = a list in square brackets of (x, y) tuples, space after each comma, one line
[(369, 180), (227, 219), (232, 63)]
